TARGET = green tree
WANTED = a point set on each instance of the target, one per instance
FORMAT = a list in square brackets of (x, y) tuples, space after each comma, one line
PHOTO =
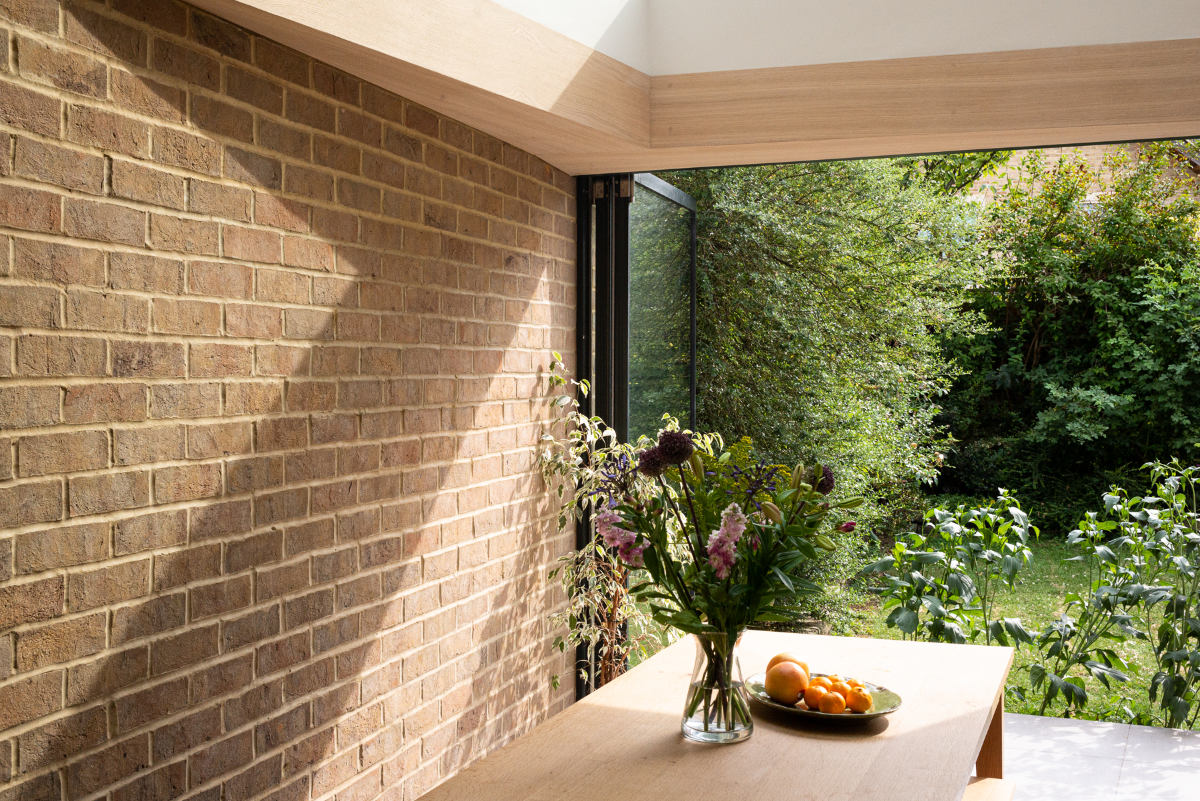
[(1092, 366), (823, 291)]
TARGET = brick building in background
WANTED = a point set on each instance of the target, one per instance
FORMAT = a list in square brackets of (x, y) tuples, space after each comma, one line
[(271, 523)]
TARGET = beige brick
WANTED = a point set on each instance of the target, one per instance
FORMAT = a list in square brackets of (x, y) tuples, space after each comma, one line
[(30, 110), (187, 317), (283, 287), (284, 213), (257, 398), (111, 764), (149, 532), (192, 65), (98, 679), (188, 151), (251, 244), (34, 502), (183, 235), (55, 643), (102, 311), (62, 69), (57, 262), (145, 273), (108, 585), (108, 493), (62, 453), (68, 168), (219, 200), (147, 185), (220, 361), (39, 355), (224, 520), (29, 307), (106, 222), (220, 279), (219, 439), (63, 737), (141, 359), (251, 168), (29, 699), (221, 119), (147, 96), (106, 403), (180, 650), (187, 483), (30, 209), (31, 602), (152, 617), (108, 131), (201, 399), (28, 406), (133, 446), (182, 567)]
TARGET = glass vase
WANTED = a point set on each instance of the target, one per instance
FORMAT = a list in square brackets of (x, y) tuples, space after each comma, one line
[(718, 707)]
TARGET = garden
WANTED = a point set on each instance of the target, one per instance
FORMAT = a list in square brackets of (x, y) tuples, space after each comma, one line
[(973, 379)]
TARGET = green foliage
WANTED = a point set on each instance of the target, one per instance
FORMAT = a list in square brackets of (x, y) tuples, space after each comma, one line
[(659, 312), (577, 455), (1092, 363), (941, 585), (822, 291)]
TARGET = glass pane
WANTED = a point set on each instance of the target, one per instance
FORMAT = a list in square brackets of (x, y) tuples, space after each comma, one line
[(660, 276)]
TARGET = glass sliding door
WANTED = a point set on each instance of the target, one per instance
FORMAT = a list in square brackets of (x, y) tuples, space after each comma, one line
[(661, 306)]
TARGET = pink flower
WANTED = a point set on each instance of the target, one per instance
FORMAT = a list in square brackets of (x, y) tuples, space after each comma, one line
[(733, 522), (631, 553), (722, 543), (848, 526), (609, 531)]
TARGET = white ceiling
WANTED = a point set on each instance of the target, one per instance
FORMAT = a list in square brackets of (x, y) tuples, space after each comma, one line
[(668, 37)]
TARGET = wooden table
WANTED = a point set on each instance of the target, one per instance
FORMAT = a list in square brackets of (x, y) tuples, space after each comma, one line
[(623, 741)]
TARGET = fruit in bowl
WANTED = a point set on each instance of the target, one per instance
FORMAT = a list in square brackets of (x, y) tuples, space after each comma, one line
[(788, 681)]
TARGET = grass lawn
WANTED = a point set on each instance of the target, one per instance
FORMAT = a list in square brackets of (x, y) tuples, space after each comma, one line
[(1037, 599)]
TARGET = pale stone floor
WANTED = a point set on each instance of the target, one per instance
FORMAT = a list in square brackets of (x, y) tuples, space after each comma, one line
[(1054, 759)]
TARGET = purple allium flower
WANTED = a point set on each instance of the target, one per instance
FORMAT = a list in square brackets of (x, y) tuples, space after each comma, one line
[(848, 526), (651, 463), (675, 446), (825, 482)]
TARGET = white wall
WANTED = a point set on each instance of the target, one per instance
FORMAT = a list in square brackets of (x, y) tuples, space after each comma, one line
[(665, 37)]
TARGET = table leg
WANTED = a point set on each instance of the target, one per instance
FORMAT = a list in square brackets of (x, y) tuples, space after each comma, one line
[(990, 762)]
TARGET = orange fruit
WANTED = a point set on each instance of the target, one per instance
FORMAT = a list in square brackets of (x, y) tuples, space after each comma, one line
[(842, 689), (813, 695), (832, 704), (860, 700), (775, 660), (854, 682), (786, 682), (821, 681)]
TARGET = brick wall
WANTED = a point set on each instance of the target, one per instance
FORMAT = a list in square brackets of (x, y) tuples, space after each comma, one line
[(270, 521)]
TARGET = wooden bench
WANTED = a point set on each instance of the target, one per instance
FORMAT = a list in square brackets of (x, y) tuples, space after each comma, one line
[(988, 790)]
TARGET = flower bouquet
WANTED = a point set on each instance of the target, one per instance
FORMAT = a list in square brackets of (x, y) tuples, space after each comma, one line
[(723, 542)]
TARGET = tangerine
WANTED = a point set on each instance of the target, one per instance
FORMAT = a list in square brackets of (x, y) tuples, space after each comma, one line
[(860, 700), (841, 688), (832, 703), (786, 682), (813, 695), (821, 681)]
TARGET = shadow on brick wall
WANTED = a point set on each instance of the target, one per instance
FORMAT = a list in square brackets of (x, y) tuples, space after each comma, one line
[(313, 559)]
